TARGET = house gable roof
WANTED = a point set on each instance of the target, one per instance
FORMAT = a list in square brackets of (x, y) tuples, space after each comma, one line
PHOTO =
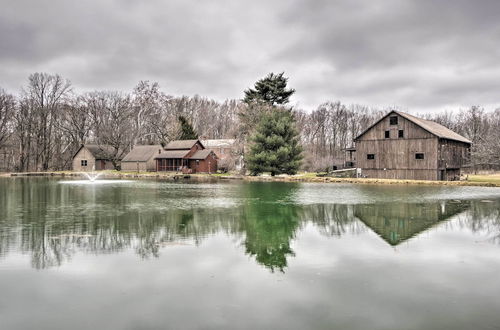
[(201, 154), (430, 126), (99, 151), (172, 154), (182, 144), (142, 153)]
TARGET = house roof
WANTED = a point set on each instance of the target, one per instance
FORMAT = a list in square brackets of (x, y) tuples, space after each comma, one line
[(181, 144), (100, 151), (218, 143), (430, 126), (172, 154), (201, 154), (142, 153)]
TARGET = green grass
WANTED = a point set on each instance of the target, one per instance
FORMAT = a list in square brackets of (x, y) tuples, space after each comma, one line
[(484, 178)]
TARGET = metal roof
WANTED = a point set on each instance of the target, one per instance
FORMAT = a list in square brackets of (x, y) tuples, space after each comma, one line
[(218, 143)]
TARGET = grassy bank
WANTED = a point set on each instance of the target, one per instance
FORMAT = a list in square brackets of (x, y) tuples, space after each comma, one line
[(488, 180), (485, 178)]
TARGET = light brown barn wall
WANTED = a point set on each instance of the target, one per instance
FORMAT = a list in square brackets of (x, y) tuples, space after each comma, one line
[(397, 154), (401, 174), (151, 164), (133, 166), (83, 154), (453, 154), (108, 165)]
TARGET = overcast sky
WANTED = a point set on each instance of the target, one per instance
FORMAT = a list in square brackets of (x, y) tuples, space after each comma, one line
[(422, 55)]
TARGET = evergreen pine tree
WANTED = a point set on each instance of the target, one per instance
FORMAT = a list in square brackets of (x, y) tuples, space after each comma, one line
[(270, 90), (275, 145), (187, 131)]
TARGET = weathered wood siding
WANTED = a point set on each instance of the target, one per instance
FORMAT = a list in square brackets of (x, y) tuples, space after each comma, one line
[(452, 154), (150, 165), (411, 130), (134, 166), (395, 156), (83, 154)]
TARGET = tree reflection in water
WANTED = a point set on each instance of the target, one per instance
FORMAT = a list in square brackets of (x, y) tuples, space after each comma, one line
[(52, 222), (271, 221)]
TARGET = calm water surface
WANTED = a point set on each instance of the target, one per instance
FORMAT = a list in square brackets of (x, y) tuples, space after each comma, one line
[(159, 255)]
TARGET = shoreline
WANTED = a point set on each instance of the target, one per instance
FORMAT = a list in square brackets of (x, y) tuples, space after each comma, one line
[(216, 177)]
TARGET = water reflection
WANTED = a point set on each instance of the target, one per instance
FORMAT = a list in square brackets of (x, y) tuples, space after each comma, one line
[(53, 222), (398, 222)]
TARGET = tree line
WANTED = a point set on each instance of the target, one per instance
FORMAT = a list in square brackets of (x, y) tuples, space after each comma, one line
[(44, 125)]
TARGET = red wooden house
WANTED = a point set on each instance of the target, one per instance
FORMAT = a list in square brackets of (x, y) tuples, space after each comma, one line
[(187, 156)]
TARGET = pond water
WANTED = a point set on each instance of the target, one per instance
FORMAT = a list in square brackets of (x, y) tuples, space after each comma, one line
[(235, 255)]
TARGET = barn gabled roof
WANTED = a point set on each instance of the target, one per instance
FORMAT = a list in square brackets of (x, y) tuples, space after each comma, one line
[(142, 153), (182, 144), (430, 126)]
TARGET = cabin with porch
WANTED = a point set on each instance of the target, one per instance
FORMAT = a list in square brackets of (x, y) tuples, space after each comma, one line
[(95, 157), (401, 146), (186, 156)]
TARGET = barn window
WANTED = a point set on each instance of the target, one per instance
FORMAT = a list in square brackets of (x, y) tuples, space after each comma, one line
[(370, 156), (401, 134), (419, 155), (387, 134), (393, 120), (83, 162)]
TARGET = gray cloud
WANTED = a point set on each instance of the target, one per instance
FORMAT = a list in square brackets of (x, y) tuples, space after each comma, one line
[(421, 55)]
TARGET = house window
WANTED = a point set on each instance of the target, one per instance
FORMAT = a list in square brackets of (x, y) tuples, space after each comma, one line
[(401, 134), (393, 120), (370, 156), (419, 155), (387, 134), (83, 162)]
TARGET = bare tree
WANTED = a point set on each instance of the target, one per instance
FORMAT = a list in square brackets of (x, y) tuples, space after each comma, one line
[(7, 107), (112, 121), (24, 119), (147, 100), (47, 95)]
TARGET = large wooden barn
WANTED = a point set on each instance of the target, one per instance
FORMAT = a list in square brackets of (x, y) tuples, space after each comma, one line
[(401, 146), (187, 156)]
